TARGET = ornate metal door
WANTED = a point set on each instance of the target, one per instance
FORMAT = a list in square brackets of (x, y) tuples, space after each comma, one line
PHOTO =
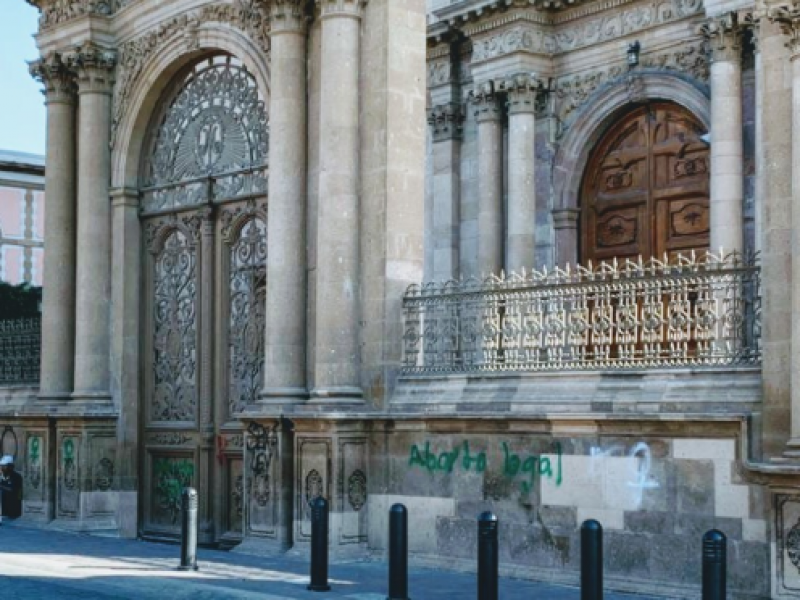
[(205, 233), (645, 191)]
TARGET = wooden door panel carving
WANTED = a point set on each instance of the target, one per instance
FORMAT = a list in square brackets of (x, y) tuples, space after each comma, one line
[(645, 191)]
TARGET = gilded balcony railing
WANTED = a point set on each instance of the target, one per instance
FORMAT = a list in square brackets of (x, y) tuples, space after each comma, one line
[(20, 351), (691, 312)]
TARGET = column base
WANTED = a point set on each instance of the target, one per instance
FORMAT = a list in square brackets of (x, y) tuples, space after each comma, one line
[(792, 451), (287, 395), (91, 400), (53, 398), (336, 395)]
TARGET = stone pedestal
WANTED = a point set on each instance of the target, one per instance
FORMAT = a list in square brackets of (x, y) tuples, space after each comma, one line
[(58, 306), (489, 115)]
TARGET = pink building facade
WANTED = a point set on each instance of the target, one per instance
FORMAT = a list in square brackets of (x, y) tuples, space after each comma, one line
[(21, 218)]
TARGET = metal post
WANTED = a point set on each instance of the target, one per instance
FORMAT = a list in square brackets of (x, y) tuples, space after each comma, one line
[(591, 560), (398, 553), (319, 545), (488, 561), (714, 565), (188, 530)]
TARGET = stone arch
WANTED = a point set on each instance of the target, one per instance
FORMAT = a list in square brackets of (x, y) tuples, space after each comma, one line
[(592, 121), (157, 74)]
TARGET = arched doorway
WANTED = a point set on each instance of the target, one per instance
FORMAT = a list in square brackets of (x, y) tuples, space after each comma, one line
[(645, 190), (204, 220)]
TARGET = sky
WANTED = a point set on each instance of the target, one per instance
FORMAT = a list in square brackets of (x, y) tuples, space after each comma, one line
[(22, 112)]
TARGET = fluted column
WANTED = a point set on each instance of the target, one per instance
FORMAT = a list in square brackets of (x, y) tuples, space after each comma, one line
[(95, 67), (521, 92), (336, 356), (58, 306), (446, 122), (724, 34), (489, 115), (285, 356)]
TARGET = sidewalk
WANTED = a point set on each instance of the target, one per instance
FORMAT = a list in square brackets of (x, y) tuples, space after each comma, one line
[(37, 563)]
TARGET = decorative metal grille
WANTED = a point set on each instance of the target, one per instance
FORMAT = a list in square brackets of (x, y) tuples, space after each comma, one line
[(248, 286), (175, 330), (212, 143), (653, 314), (20, 351)]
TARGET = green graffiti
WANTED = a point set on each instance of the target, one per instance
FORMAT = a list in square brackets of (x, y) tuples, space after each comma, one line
[(69, 450), (171, 476), (34, 450), (447, 460), (527, 467)]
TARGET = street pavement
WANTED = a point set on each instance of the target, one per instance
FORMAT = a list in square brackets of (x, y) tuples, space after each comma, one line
[(39, 563)]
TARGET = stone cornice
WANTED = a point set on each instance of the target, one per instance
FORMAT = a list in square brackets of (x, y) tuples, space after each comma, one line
[(58, 79), (56, 12), (94, 66)]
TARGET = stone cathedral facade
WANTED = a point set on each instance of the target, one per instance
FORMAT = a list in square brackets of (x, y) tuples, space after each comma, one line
[(525, 256)]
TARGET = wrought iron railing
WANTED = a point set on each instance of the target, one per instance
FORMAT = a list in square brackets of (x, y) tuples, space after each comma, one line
[(20, 351), (634, 315)]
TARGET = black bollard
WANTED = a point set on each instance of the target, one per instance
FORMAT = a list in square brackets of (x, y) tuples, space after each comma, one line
[(591, 560), (488, 561), (319, 545), (714, 565), (398, 553), (188, 530)]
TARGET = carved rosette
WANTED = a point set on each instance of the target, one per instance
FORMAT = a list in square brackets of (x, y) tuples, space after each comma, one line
[(341, 8), (788, 17), (446, 121), (522, 91), (287, 16), (95, 68), (58, 79), (724, 34), (486, 102)]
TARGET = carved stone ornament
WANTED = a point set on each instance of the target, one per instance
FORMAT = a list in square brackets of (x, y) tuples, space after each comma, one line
[(314, 486), (58, 79), (793, 545), (104, 475), (249, 16), (486, 102), (341, 7), (288, 16), (522, 91), (788, 17), (262, 444), (446, 121), (170, 438), (357, 489), (55, 12), (94, 66), (724, 34)]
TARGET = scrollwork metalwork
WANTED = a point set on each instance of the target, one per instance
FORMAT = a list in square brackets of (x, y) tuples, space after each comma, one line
[(212, 142), (659, 313)]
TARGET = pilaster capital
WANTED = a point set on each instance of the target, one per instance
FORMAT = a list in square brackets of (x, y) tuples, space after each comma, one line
[(341, 8), (788, 17), (288, 16), (487, 102), (724, 34), (522, 91), (58, 79), (95, 68), (566, 218), (446, 121)]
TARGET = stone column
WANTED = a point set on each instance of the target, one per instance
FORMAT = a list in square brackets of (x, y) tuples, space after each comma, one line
[(336, 356), (727, 173), (58, 306), (489, 115), (285, 355), (565, 223), (521, 91), (446, 122), (95, 68)]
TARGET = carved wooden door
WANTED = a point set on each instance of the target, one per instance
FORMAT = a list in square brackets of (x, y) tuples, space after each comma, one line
[(645, 190), (205, 231)]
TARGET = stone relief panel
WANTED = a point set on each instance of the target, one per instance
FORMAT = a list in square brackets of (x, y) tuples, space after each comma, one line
[(69, 473), (216, 127), (788, 540), (352, 483), (261, 491), (313, 472)]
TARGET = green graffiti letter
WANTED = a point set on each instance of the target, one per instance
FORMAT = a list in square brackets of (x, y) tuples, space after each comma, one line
[(511, 462), (544, 467)]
